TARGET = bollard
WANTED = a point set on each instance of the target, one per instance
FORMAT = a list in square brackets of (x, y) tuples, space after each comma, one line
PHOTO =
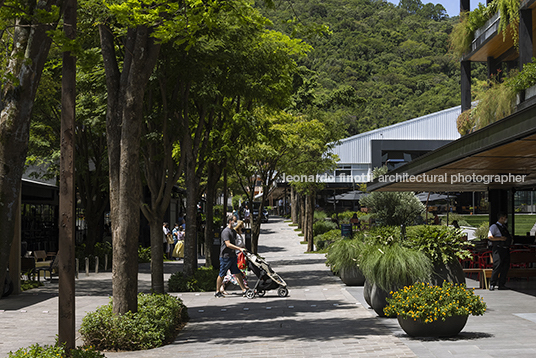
[(77, 265), (87, 266), (96, 264), (105, 262)]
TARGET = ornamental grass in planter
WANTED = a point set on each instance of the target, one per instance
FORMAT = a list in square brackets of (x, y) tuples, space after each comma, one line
[(342, 258), (391, 267), (422, 307), (394, 266)]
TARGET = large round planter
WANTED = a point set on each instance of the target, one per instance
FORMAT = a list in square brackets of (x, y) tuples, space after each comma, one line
[(367, 290), (352, 276), (378, 298), (450, 272), (450, 327)]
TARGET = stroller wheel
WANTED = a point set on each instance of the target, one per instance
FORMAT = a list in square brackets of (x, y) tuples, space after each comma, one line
[(282, 292), (261, 293), (250, 293)]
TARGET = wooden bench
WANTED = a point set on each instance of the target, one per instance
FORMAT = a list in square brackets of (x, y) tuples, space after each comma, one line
[(481, 276)]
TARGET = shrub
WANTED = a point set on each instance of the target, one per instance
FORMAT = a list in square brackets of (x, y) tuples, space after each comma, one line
[(394, 208), (49, 351), (326, 239), (203, 280), (100, 249), (481, 233), (429, 303), (144, 254), (323, 226), (525, 78), (157, 321), (29, 284), (319, 215), (439, 243)]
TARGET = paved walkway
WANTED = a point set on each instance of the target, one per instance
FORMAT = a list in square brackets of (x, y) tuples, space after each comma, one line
[(320, 318)]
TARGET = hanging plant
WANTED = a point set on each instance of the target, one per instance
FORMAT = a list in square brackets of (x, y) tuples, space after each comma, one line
[(509, 10)]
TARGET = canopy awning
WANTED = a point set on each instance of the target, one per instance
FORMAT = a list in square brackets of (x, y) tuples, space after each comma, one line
[(499, 156)]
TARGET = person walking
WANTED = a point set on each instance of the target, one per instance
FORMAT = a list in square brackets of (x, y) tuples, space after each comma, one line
[(501, 240), (247, 216), (241, 261), (228, 257), (167, 233)]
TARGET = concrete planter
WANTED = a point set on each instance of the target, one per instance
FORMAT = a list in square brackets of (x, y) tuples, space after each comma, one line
[(450, 327)]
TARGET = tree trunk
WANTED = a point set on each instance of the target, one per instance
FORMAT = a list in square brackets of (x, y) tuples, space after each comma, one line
[(255, 232), (293, 205), (225, 198), (124, 117), (214, 173), (157, 255), (30, 50), (190, 240), (301, 212), (309, 216)]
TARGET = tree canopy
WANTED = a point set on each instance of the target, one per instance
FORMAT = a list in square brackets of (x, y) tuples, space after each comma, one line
[(393, 60)]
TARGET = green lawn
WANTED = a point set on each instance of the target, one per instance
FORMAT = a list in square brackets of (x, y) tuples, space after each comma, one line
[(523, 223)]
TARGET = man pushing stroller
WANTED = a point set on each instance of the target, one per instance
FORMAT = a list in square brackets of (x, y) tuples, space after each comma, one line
[(228, 259)]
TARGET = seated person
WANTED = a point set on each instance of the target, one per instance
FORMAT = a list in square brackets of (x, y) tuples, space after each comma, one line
[(355, 221)]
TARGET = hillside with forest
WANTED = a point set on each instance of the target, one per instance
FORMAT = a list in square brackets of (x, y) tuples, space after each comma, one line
[(390, 62)]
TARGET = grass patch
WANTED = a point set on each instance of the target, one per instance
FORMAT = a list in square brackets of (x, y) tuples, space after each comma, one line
[(29, 284), (302, 234), (287, 221), (292, 224), (303, 242), (523, 223)]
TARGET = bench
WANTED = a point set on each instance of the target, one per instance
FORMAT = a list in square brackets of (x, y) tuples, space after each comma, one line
[(481, 276), (45, 265)]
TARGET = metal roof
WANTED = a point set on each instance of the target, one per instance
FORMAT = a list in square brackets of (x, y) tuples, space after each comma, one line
[(439, 125), (501, 155)]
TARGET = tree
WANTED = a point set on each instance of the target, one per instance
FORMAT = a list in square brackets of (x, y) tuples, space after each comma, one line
[(394, 208), (28, 45), (162, 164), (126, 78)]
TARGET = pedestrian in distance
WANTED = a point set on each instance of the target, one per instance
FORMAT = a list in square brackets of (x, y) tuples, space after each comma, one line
[(166, 232), (247, 216)]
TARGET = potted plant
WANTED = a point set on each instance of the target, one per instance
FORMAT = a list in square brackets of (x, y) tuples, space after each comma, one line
[(390, 267), (425, 310), (445, 246), (342, 258)]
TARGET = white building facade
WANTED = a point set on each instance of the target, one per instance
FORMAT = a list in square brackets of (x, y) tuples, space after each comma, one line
[(392, 146)]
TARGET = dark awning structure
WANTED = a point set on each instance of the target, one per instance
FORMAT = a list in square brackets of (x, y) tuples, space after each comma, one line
[(499, 156)]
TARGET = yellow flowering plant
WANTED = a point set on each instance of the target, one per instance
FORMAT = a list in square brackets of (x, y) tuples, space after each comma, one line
[(428, 303)]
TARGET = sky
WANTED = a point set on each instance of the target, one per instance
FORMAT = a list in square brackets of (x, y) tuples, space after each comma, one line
[(452, 6)]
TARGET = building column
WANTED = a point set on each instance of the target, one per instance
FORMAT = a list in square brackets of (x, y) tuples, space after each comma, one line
[(525, 37), (492, 68), (465, 5), (498, 203), (466, 85)]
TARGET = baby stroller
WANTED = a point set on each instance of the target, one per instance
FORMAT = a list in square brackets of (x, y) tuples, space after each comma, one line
[(267, 278)]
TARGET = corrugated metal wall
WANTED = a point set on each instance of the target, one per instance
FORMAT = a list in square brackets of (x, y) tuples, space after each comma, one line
[(440, 125)]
